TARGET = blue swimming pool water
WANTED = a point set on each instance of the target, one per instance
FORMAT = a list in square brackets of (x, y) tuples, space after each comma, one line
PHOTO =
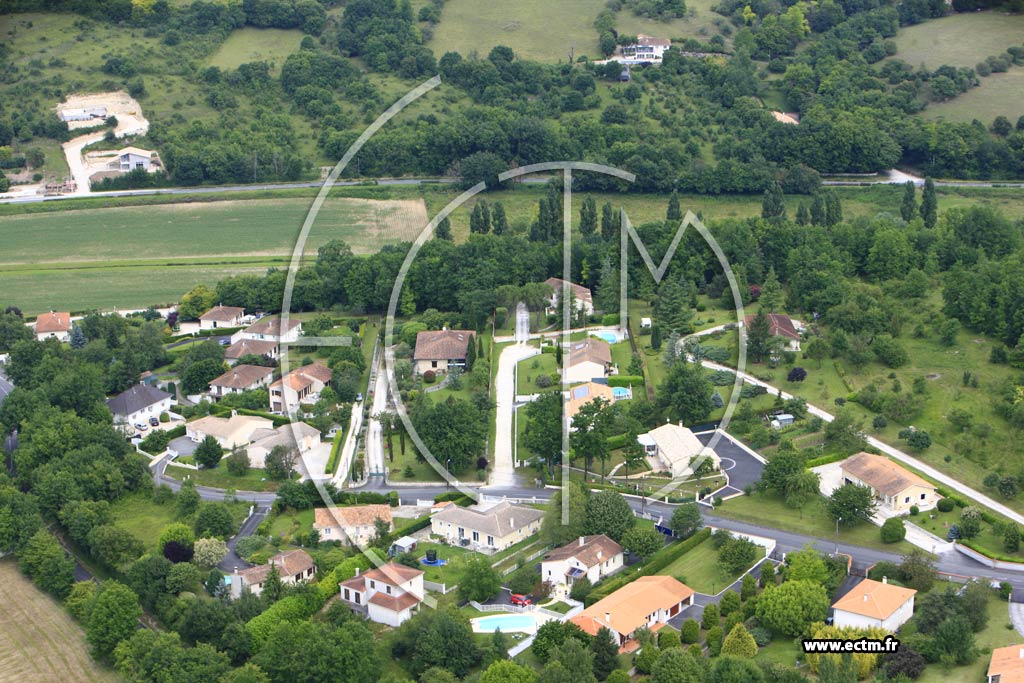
[(620, 392), (506, 622), (610, 337)]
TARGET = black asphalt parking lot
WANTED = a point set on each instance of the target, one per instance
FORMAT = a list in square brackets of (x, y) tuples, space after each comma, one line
[(742, 468)]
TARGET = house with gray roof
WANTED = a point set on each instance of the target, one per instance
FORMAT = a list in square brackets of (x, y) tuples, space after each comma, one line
[(486, 529), (138, 403)]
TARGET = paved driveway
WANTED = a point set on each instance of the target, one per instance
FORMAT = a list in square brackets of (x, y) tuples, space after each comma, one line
[(183, 445), (742, 467), (831, 477)]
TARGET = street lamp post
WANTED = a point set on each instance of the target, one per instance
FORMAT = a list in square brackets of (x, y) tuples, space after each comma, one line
[(838, 519), (448, 474)]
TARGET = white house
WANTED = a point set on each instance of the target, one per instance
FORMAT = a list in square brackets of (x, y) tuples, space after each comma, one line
[(1006, 665), (875, 603), (138, 403), (388, 594), (237, 430), (241, 378), (55, 324), (588, 359), (301, 385), (646, 49), (134, 159), (582, 297), (252, 347), (675, 448), (270, 329), (84, 114), (355, 525), (486, 529), (590, 557), (221, 316), (293, 566), (297, 436)]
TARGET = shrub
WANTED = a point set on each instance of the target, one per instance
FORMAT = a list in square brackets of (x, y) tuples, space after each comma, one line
[(893, 530), (914, 511), (690, 632), (945, 505), (429, 377), (543, 381), (762, 636), (667, 638), (797, 374)]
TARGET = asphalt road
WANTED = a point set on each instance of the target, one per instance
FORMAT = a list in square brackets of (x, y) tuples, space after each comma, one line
[(232, 560)]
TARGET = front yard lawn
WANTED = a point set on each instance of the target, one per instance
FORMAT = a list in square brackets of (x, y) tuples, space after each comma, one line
[(220, 478), (700, 570), (528, 370)]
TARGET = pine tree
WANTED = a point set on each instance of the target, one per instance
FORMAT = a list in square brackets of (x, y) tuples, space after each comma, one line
[(672, 309), (674, 212), (818, 210), (757, 336), (588, 217), (606, 653), (656, 337), (485, 216), (499, 221), (273, 589), (833, 209), (803, 217), (929, 204), (908, 210), (443, 231), (773, 204), (606, 298), (609, 222), (739, 643), (479, 346), (474, 219), (470, 356), (78, 339), (771, 292)]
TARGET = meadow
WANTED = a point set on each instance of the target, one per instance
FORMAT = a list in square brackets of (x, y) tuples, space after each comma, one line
[(250, 44), (959, 40), (998, 94), (39, 641)]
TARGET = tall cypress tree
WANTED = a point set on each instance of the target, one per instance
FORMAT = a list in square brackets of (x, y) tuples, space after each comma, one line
[(606, 653), (818, 210), (929, 204), (674, 212), (803, 217), (833, 209), (443, 231), (609, 222), (499, 221), (588, 217), (773, 204), (470, 356), (908, 210)]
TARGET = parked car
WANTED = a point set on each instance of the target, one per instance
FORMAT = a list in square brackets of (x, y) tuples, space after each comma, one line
[(141, 427), (359, 398), (154, 422), (520, 600)]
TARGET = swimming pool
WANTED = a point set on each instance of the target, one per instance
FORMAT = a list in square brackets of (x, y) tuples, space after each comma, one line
[(508, 623), (620, 392), (608, 335)]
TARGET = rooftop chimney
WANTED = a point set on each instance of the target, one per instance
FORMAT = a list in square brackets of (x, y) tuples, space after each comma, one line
[(865, 597), (357, 571), (608, 617), (581, 541), (885, 579), (1021, 653)]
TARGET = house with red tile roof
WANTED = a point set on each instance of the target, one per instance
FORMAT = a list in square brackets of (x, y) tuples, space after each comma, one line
[(221, 317), (875, 603), (355, 524), (294, 566), (301, 385), (437, 350), (780, 326), (589, 557), (55, 324), (241, 378), (649, 602)]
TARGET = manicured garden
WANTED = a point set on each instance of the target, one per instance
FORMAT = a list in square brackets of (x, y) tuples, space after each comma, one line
[(701, 570)]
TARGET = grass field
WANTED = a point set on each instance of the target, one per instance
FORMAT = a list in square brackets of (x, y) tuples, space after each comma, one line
[(256, 45), (548, 31), (39, 641), (252, 480), (811, 519), (998, 94), (532, 368), (959, 40), (699, 569)]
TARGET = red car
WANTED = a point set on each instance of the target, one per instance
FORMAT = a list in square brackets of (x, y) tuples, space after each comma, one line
[(520, 600)]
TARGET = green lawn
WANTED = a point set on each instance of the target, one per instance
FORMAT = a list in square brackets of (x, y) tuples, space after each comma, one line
[(530, 369), (699, 569), (449, 573), (997, 94), (959, 40), (256, 45), (292, 522), (219, 477), (142, 518), (423, 471), (812, 520)]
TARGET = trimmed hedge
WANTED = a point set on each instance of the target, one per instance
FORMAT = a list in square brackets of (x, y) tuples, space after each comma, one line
[(617, 441), (658, 562), (824, 460), (988, 553), (177, 432), (278, 420), (625, 381)]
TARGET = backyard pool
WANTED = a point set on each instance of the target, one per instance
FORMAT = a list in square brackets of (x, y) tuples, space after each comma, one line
[(610, 336), (620, 392), (508, 623)]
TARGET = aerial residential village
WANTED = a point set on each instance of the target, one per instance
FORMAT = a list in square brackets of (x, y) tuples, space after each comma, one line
[(641, 573), (513, 480)]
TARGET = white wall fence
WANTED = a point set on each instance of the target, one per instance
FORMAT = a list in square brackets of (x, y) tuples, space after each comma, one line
[(441, 588)]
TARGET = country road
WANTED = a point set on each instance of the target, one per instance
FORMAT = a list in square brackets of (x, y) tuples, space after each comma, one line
[(896, 177)]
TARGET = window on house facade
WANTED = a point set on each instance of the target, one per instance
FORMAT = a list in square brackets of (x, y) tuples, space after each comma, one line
[(490, 540), (476, 536)]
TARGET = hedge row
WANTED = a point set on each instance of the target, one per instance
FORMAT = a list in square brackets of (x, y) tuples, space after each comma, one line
[(824, 460), (661, 559), (278, 420), (177, 432), (986, 516), (457, 497), (988, 553), (201, 334), (625, 381)]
